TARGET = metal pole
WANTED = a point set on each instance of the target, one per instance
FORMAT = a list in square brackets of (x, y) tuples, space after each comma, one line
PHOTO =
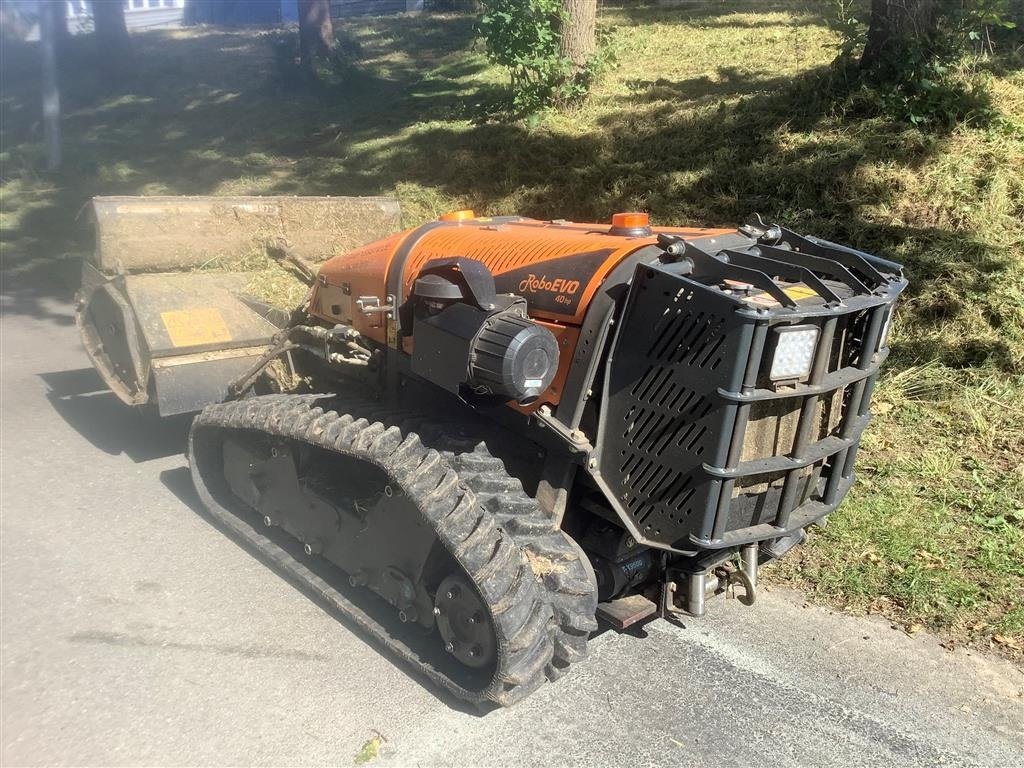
[(51, 94), (748, 562), (696, 584)]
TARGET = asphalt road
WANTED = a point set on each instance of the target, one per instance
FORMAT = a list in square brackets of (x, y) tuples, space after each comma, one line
[(134, 632)]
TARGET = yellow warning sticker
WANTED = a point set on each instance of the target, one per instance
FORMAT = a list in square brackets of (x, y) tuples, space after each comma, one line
[(800, 291), (795, 292), (193, 327)]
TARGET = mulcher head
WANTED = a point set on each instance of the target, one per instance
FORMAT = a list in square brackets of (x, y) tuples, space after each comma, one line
[(159, 324)]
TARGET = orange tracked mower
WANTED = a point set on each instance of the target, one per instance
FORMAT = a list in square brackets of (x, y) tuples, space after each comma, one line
[(505, 429)]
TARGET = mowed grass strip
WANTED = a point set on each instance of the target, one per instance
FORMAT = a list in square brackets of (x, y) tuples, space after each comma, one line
[(714, 111)]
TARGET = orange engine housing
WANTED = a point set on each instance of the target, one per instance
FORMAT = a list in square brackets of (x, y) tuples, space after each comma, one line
[(556, 266)]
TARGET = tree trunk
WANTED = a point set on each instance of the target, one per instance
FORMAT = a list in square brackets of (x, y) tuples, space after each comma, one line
[(578, 37), (61, 35), (894, 23), (51, 95), (316, 32), (113, 46)]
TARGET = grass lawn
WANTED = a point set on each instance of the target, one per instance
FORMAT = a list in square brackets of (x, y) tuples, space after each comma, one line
[(713, 112)]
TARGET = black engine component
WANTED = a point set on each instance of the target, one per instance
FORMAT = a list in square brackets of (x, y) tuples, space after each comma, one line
[(619, 562), (466, 336), (615, 577), (513, 356)]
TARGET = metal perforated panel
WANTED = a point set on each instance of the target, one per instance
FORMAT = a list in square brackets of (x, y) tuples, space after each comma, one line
[(663, 417)]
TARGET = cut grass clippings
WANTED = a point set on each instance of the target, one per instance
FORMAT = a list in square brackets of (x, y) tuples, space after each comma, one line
[(714, 111), (370, 750)]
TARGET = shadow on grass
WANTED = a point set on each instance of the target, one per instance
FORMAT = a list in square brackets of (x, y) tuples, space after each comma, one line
[(194, 111), (710, 13), (698, 91)]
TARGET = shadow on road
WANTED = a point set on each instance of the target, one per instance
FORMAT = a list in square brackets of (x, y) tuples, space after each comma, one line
[(179, 482), (83, 401), (44, 291)]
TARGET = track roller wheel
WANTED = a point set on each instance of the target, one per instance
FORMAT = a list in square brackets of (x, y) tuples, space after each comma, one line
[(462, 621)]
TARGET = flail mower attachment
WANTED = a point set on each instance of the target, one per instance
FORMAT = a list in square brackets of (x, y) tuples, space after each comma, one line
[(159, 325)]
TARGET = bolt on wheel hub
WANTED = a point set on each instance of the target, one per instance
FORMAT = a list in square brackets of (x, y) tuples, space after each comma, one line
[(464, 623)]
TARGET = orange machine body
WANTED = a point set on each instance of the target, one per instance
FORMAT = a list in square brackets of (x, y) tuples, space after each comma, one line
[(556, 266)]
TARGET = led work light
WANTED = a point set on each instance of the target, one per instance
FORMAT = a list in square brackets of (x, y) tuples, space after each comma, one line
[(794, 352)]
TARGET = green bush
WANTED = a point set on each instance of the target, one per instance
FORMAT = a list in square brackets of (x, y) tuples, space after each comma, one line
[(522, 35)]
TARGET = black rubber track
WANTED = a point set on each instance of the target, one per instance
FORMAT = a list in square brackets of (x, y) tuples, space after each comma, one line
[(520, 610), (557, 560)]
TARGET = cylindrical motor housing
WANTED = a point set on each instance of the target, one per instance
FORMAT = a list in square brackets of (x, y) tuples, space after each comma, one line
[(466, 337), (615, 577), (513, 356)]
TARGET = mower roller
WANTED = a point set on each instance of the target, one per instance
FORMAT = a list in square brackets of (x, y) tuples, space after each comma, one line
[(506, 430)]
